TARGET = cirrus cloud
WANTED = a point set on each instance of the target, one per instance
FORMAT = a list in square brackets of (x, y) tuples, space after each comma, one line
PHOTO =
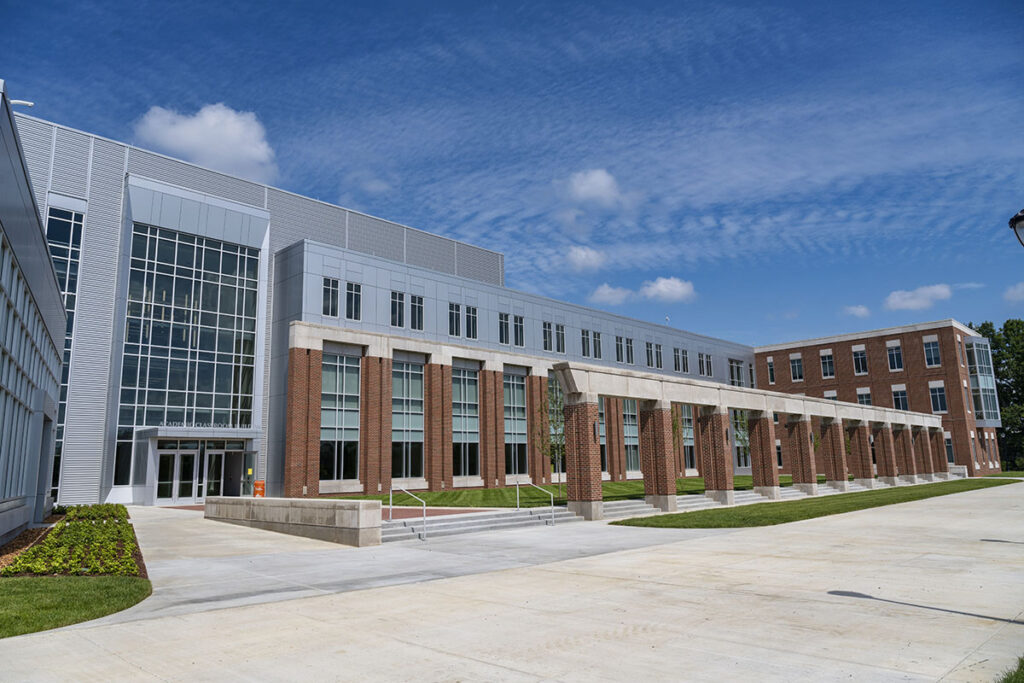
[(596, 186), (1015, 293), (586, 258), (613, 296), (858, 311), (917, 299)]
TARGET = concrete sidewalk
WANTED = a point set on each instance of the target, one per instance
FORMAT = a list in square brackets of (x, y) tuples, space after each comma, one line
[(945, 576)]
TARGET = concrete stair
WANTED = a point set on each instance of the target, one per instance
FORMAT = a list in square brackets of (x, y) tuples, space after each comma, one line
[(619, 509), (695, 502), (747, 498), (790, 493), (472, 522)]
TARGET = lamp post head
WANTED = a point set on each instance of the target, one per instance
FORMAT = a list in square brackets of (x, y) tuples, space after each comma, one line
[(1017, 225)]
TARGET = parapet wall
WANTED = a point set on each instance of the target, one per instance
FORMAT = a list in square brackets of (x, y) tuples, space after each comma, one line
[(350, 522)]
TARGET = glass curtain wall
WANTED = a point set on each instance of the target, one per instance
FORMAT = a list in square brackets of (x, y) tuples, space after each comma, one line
[(515, 424), (465, 423), (339, 417), (406, 420), (631, 434), (689, 456)]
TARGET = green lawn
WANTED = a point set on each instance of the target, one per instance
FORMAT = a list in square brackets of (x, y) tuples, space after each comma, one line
[(1015, 674), (1012, 473), (767, 514), (37, 603), (531, 497)]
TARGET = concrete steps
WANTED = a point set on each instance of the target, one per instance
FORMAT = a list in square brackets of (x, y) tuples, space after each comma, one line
[(790, 493), (619, 509), (472, 522), (695, 502)]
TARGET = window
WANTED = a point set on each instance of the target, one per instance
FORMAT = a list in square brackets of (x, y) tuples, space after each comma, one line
[(860, 362), (828, 369), (677, 363), (771, 371), (515, 425), (631, 434), (470, 322), (597, 344), (895, 356), (710, 365), (353, 301), (899, 399), (629, 351), (949, 451), (932, 359), (331, 291), (735, 372), (397, 309), (546, 334), (518, 330), (560, 338), (741, 438), (796, 369), (465, 423), (503, 328), (339, 417), (864, 397), (406, 420), (585, 343), (416, 312), (832, 395), (601, 433), (657, 356), (650, 354), (685, 357), (778, 453), (619, 355), (938, 395), (454, 311), (689, 455), (700, 364), (750, 371)]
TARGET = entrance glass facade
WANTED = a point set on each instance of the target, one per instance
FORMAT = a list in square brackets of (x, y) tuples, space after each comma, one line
[(188, 470), (465, 423)]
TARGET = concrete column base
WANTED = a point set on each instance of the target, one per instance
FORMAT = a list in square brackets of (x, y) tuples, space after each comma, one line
[(889, 481), (723, 497), (866, 483), (927, 476), (769, 492), (663, 503), (943, 476), (809, 489), (589, 510), (840, 485), (908, 479)]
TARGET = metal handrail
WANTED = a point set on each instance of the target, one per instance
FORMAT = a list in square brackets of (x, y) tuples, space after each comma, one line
[(544, 490), (391, 501)]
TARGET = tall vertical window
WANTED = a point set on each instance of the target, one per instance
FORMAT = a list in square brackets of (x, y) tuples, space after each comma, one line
[(796, 369), (657, 356), (597, 344), (689, 456), (771, 371), (470, 322), (190, 336), (560, 338), (518, 330), (602, 438), (735, 372), (406, 420), (331, 292), (631, 434), (895, 357), (515, 424), (828, 368), (397, 309), (454, 315), (619, 354), (938, 396), (629, 351), (685, 356), (710, 365), (339, 417), (503, 328), (585, 343), (64, 239), (677, 363), (741, 438), (700, 364), (949, 451), (932, 359), (860, 362), (778, 453), (415, 312), (353, 301), (650, 354), (899, 399), (465, 423), (546, 335)]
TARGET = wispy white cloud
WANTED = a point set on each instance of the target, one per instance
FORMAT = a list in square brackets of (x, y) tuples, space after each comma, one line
[(216, 136), (585, 258), (858, 311), (1015, 293), (612, 296), (668, 289), (596, 186), (917, 299)]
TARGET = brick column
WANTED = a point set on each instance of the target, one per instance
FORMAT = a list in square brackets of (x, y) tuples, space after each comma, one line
[(657, 454), (858, 459), (583, 459), (677, 440), (538, 427), (615, 442), (939, 463), (302, 423), (437, 427), (804, 471), (923, 454), (905, 462), (492, 428), (763, 467), (833, 454), (885, 455), (716, 453), (375, 424)]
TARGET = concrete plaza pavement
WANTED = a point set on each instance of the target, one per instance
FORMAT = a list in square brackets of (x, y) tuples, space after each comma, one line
[(930, 590)]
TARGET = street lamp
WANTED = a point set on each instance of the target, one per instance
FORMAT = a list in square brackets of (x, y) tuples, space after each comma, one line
[(1017, 224)]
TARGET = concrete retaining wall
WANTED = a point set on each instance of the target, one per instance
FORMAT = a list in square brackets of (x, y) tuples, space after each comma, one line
[(351, 522)]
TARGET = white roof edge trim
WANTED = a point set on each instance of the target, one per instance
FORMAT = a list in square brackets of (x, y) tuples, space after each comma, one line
[(852, 336)]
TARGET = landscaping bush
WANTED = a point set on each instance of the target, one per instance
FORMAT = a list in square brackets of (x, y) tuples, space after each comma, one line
[(103, 511)]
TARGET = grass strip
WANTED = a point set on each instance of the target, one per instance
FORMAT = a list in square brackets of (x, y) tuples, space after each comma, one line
[(1012, 473), (1015, 674), (768, 514), (37, 603)]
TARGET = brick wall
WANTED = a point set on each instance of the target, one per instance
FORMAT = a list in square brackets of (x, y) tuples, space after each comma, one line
[(763, 465), (302, 416), (583, 453), (715, 452), (656, 452)]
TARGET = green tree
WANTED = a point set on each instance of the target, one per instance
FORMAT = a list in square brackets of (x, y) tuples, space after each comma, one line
[(552, 440), (1008, 364)]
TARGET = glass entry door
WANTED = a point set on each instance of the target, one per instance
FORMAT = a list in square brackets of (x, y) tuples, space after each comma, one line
[(179, 478), (214, 473)]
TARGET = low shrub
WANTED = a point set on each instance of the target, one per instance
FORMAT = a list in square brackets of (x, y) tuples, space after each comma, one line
[(103, 511)]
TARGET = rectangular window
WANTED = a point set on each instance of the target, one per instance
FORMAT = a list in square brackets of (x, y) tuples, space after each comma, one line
[(560, 338), (339, 417), (465, 423), (601, 433), (735, 372), (397, 309), (932, 359), (828, 368), (949, 451), (771, 371), (518, 330), (331, 291), (860, 362), (416, 312), (657, 356), (709, 364), (597, 344), (503, 328), (700, 364), (831, 395), (938, 395), (689, 454), (899, 399), (895, 357), (406, 420), (585, 343), (796, 369), (454, 320), (778, 453), (741, 438), (353, 301), (677, 363), (629, 351), (650, 354), (546, 333), (631, 434), (470, 322), (515, 425), (864, 397), (619, 353)]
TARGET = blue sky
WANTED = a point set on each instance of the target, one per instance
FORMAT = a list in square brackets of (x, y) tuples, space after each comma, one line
[(756, 172)]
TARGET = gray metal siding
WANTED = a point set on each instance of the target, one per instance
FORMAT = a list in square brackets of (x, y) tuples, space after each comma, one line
[(71, 164), (376, 237), (193, 177), (480, 264), (37, 143), (430, 251)]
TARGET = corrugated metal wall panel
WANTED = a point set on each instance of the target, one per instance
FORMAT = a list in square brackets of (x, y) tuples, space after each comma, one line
[(376, 237), (300, 216), (88, 461), (71, 163), (37, 143), (194, 178), (430, 251), (480, 264)]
